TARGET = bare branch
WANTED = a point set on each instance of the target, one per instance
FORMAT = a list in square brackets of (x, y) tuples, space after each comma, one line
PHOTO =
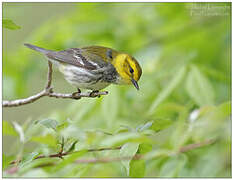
[(20, 102), (49, 92), (50, 71), (196, 145)]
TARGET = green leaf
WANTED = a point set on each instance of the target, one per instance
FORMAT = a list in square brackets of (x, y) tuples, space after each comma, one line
[(49, 123), (9, 24), (72, 147), (62, 126), (27, 159), (137, 168), (122, 130), (71, 158), (144, 148), (124, 138), (7, 129), (160, 124), (199, 87), (128, 150), (168, 89), (38, 164)]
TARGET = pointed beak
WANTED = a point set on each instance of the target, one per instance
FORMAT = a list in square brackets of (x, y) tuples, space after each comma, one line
[(135, 83)]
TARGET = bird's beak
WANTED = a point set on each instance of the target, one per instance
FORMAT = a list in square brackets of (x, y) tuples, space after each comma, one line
[(135, 83)]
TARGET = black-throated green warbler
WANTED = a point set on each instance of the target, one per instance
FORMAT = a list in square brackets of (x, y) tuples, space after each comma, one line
[(94, 67)]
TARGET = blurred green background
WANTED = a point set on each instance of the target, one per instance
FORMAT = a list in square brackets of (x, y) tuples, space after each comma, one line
[(185, 89)]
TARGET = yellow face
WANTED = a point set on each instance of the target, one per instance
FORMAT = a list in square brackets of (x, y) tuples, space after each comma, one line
[(128, 69)]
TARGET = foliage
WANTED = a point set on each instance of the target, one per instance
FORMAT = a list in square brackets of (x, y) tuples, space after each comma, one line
[(184, 95), (9, 24)]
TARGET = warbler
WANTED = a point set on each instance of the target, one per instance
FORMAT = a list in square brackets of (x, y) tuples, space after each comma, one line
[(94, 67)]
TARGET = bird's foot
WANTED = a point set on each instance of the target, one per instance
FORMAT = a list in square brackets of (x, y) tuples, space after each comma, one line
[(92, 94), (79, 91), (75, 95)]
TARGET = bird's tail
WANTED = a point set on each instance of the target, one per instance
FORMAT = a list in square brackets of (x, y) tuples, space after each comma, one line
[(36, 48)]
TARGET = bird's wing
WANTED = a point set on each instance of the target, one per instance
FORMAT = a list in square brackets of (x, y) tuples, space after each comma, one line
[(77, 57), (88, 60)]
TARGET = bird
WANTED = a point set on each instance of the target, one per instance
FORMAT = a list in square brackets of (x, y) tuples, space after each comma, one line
[(94, 67)]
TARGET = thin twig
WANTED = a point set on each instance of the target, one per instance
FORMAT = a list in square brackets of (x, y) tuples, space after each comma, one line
[(183, 149), (59, 155), (49, 92), (140, 156), (20, 102), (107, 159), (196, 145), (33, 98), (50, 71)]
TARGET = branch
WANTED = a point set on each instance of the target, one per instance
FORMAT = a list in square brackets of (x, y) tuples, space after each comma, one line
[(49, 92), (50, 71), (196, 145), (140, 156), (107, 159), (183, 149), (60, 154)]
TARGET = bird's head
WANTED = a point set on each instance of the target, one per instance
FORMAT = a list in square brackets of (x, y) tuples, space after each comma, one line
[(128, 68)]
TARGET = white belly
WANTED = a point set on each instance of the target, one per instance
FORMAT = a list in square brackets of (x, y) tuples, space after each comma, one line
[(82, 78)]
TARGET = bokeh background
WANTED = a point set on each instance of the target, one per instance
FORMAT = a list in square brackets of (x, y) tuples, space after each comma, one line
[(185, 90)]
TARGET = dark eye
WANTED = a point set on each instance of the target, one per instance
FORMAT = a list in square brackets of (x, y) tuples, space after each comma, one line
[(109, 53), (131, 70)]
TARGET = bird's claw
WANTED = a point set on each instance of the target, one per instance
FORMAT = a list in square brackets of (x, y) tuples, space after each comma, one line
[(79, 91), (75, 95), (93, 93)]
